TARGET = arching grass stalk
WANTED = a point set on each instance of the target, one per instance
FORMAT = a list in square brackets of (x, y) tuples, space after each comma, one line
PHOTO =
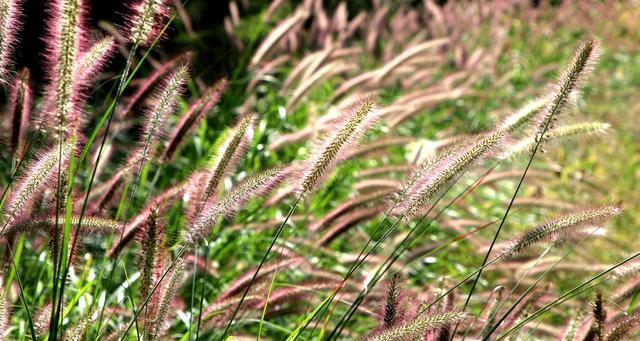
[(376, 277), (382, 269), (564, 297)]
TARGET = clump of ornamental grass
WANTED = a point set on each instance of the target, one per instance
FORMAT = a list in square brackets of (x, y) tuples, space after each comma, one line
[(181, 209)]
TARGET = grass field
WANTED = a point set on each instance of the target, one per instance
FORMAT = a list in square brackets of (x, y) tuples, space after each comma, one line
[(322, 170)]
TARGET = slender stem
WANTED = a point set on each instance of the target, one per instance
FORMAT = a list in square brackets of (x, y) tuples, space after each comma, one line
[(264, 259)]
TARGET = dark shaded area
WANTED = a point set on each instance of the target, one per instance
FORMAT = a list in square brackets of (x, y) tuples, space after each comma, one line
[(209, 40)]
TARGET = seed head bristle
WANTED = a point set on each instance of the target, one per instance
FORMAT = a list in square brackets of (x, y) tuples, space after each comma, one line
[(160, 322), (89, 224), (231, 149), (146, 21), (92, 61), (565, 131), (624, 328), (5, 317), (436, 176), (147, 84), (156, 117), (151, 245), (34, 181), (524, 115), (596, 332), (190, 120), (20, 99), (391, 313), (10, 26), (66, 41), (346, 136), (584, 58), (417, 327), (214, 209), (561, 227)]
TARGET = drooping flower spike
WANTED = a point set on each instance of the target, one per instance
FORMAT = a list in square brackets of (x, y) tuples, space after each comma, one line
[(560, 227), (33, 181), (155, 119), (190, 120)]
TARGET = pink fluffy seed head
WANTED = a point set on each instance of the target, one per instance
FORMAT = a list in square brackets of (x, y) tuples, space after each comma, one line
[(146, 21), (10, 25), (65, 41)]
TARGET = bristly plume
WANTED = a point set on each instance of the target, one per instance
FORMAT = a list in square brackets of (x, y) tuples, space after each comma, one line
[(231, 149), (561, 227), (214, 209), (434, 177), (332, 150), (93, 61), (5, 314), (523, 116), (9, 27), (167, 294), (89, 224), (155, 119), (146, 21), (624, 328), (147, 84), (151, 252), (596, 332), (34, 181), (65, 42), (391, 309), (190, 120), (565, 131), (416, 328), (19, 112), (583, 60)]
